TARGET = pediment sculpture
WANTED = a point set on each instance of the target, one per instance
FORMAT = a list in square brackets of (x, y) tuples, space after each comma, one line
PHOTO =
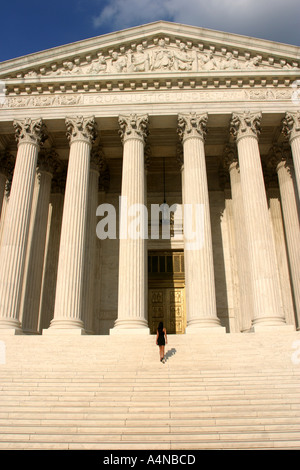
[(162, 55)]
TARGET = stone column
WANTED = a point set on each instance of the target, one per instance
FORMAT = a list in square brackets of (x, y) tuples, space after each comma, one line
[(279, 159), (90, 247), (291, 128), (29, 312), (198, 254), (69, 288), (6, 169), (52, 249), (5, 205), (29, 134), (132, 317), (230, 163), (245, 128)]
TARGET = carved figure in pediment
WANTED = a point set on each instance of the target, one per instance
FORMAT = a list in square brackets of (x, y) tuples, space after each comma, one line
[(253, 62), (139, 61), (163, 58), (293, 66), (208, 61), (100, 65), (31, 74), (182, 59), (69, 68), (118, 63), (229, 62)]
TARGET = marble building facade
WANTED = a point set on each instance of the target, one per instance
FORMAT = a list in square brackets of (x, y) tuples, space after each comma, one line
[(156, 114)]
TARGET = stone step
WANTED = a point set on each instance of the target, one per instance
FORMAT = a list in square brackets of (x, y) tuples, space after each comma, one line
[(120, 447), (205, 421), (111, 393), (249, 440)]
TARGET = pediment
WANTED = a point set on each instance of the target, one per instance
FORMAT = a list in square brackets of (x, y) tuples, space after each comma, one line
[(154, 49)]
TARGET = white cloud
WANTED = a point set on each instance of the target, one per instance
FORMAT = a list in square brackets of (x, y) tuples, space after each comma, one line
[(269, 19)]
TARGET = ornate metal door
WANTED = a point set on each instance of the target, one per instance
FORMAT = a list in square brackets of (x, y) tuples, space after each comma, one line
[(167, 304), (166, 296)]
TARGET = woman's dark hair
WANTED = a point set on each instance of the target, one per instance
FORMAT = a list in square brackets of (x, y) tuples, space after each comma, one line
[(160, 326)]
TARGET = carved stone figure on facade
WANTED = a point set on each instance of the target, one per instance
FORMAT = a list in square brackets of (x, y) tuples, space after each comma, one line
[(253, 62), (229, 62), (139, 61), (118, 63), (163, 58), (208, 61), (69, 68), (31, 74), (99, 65), (182, 59)]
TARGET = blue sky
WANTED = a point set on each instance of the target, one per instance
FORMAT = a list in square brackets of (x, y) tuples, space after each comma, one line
[(33, 26)]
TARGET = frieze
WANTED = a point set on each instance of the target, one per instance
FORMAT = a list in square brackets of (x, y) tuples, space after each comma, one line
[(90, 99), (160, 55)]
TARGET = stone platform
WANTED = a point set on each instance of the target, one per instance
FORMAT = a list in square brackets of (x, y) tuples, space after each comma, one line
[(237, 391)]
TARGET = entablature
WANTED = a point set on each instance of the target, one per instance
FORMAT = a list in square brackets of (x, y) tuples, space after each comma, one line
[(151, 81)]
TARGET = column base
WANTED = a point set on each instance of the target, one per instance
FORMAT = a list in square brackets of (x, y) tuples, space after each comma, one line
[(129, 327), (205, 325), (269, 328), (271, 324), (10, 327), (11, 331), (64, 331), (65, 327), (205, 329), (129, 331)]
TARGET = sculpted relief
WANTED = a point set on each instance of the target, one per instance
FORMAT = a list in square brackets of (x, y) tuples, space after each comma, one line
[(162, 56)]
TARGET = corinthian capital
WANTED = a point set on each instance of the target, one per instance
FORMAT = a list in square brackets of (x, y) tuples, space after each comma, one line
[(279, 155), (97, 158), (192, 125), (291, 125), (81, 128), (29, 130), (133, 126), (245, 124), (229, 157)]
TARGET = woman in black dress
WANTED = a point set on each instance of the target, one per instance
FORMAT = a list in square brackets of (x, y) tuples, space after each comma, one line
[(161, 340)]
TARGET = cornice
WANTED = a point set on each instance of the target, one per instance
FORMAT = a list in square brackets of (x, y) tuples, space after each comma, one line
[(150, 81)]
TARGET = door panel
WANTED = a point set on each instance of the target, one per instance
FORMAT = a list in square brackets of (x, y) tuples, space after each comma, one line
[(167, 304)]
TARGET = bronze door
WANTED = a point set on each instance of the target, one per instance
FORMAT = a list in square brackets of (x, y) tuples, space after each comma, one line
[(166, 296), (167, 304)]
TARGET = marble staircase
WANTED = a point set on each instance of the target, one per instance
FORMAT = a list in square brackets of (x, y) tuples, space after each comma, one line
[(215, 391)]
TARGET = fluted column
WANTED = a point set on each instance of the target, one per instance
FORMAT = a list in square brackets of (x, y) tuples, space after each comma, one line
[(132, 316), (6, 169), (48, 289), (29, 313), (69, 287), (198, 254), (291, 128), (90, 247), (29, 134), (230, 162), (245, 128), (4, 206), (280, 160)]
